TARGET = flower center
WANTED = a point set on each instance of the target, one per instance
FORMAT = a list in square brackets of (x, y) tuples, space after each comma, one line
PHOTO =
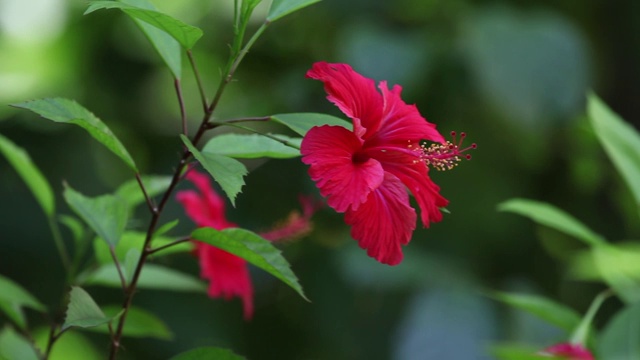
[(359, 157), (444, 156)]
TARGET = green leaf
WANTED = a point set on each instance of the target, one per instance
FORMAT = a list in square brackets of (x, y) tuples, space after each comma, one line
[(72, 346), (131, 192), (549, 215), (282, 8), (166, 228), (167, 47), (83, 311), (186, 35), (251, 146), (207, 353), (14, 347), (14, 312), (152, 277), (619, 269), (21, 162), (254, 249), (135, 240), (519, 352), (546, 309), (140, 323), (227, 172), (620, 140), (620, 339), (74, 225), (68, 111), (302, 122), (107, 215), (12, 293), (130, 263)]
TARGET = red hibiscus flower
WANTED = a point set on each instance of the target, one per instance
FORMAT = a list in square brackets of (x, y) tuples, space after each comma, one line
[(228, 275), (365, 172), (569, 351)]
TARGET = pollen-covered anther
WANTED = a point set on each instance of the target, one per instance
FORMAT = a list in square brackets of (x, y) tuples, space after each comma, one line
[(446, 156)]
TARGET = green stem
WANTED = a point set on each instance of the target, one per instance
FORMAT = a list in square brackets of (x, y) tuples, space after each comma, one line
[(582, 331)]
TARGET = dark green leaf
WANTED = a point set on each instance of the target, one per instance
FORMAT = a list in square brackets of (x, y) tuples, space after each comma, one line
[(519, 352), (250, 146), (107, 215), (68, 111), (167, 47), (14, 313), (254, 249), (14, 347), (152, 277), (549, 215), (131, 192), (140, 323), (227, 172), (207, 353), (620, 140), (546, 309), (74, 225), (620, 339), (12, 293), (186, 35), (135, 240), (302, 122), (281, 8), (130, 263), (21, 162), (83, 311)]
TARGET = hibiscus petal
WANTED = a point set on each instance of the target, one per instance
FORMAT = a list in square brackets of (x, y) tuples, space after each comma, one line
[(401, 122), (385, 222), (206, 208), (228, 276), (329, 150), (355, 95)]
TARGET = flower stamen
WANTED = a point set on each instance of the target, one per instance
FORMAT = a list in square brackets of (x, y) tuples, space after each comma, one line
[(445, 156)]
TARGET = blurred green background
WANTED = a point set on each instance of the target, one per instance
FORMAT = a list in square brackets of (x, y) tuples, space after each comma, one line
[(512, 74)]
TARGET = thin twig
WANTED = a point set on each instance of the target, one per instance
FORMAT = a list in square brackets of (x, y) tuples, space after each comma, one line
[(183, 111), (179, 241), (123, 282), (52, 339), (275, 138), (149, 200), (203, 95), (212, 125)]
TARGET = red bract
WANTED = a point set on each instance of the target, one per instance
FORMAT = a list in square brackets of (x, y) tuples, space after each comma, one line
[(569, 351), (365, 172), (228, 275)]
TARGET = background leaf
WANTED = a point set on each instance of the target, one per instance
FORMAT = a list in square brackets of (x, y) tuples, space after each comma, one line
[(13, 346), (68, 111), (620, 339), (107, 215), (37, 183), (186, 35), (549, 215), (130, 190), (140, 323), (152, 277), (207, 353), (83, 311), (254, 249), (620, 140), (619, 269), (135, 240), (302, 122), (10, 292), (281, 8), (227, 172), (72, 346), (250, 146)]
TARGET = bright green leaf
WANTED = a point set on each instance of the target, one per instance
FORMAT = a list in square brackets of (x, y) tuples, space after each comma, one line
[(135, 240), (620, 339), (68, 111), (107, 215), (21, 162), (282, 8), (251, 146), (12, 293), (131, 192), (546, 309), (254, 249), (167, 47), (140, 323), (152, 277), (207, 353), (227, 172), (83, 311), (549, 215), (620, 140), (302, 122), (14, 347), (166, 228), (72, 346), (14, 312), (519, 352), (619, 269), (186, 35)]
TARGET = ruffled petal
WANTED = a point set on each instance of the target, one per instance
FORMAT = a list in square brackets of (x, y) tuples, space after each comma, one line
[(355, 95), (228, 276), (415, 176), (206, 208), (329, 150), (385, 222), (401, 122)]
